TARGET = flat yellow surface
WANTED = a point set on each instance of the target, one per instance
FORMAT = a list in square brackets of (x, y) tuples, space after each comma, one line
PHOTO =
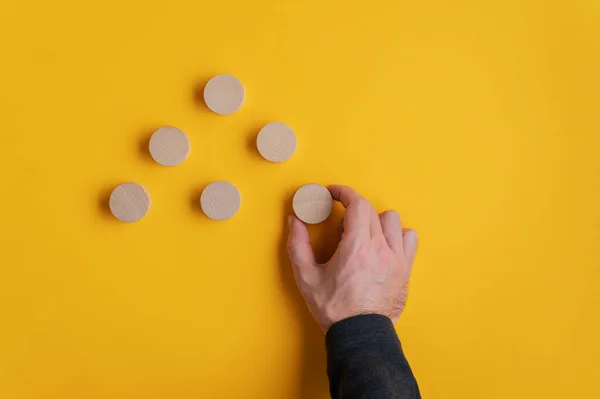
[(478, 120)]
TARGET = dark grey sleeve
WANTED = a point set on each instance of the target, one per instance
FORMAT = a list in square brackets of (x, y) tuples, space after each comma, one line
[(365, 360)]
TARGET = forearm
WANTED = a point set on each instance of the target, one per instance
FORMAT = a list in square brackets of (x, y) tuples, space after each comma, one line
[(365, 360)]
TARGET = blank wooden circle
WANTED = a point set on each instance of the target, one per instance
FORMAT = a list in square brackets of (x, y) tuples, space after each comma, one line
[(169, 146), (129, 202), (312, 203), (276, 142), (224, 94), (220, 200)]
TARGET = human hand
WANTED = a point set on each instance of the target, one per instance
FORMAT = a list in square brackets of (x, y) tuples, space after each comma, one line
[(369, 271)]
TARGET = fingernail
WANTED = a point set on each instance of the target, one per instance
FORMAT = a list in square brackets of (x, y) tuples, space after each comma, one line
[(411, 236)]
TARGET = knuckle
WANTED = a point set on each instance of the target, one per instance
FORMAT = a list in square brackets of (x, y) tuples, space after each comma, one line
[(290, 245), (306, 281), (291, 249), (362, 253), (362, 202), (363, 205), (382, 250)]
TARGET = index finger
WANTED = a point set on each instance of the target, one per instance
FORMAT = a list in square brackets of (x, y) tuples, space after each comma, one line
[(357, 219), (343, 194)]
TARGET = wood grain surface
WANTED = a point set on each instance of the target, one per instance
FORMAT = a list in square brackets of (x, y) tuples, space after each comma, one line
[(224, 94), (312, 203), (169, 146), (276, 142), (220, 200), (129, 202)]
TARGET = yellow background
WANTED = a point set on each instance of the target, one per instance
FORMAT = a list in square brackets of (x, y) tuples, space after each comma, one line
[(477, 120)]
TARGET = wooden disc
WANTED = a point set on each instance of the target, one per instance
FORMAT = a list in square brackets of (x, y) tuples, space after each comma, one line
[(276, 142), (224, 94), (129, 202), (169, 146), (312, 203), (220, 200)]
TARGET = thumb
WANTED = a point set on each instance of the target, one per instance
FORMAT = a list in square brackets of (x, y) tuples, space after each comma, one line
[(299, 248)]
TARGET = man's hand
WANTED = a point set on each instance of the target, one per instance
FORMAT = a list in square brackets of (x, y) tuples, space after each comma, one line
[(369, 271)]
